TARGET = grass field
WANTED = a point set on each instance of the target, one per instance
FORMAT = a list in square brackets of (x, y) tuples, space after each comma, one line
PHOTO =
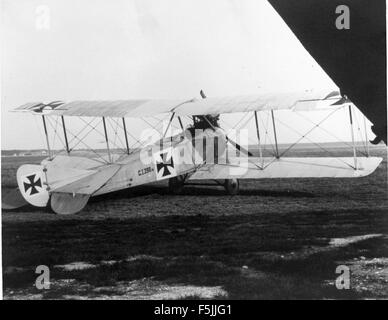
[(277, 239)]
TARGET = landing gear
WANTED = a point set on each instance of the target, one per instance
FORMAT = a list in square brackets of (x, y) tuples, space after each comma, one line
[(232, 186), (176, 184)]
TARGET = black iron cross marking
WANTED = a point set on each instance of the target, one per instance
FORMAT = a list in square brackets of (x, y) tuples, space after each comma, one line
[(32, 185), (164, 164)]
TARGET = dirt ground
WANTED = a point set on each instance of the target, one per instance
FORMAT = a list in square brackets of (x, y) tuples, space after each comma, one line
[(277, 239)]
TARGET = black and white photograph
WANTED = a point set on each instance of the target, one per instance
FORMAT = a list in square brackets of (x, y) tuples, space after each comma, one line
[(176, 150)]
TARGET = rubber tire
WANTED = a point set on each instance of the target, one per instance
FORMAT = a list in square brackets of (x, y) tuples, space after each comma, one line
[(232, 186)]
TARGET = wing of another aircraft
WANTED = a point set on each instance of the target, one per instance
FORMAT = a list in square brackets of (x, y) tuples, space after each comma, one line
[(305, 100), (354, 58)]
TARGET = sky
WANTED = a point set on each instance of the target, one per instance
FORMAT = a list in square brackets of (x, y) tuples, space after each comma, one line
[(127, 49)]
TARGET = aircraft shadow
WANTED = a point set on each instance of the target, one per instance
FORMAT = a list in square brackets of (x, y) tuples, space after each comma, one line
[(216, 191)]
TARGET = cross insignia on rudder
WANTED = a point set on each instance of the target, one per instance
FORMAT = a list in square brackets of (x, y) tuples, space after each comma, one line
[(165, 164), (32, 184)]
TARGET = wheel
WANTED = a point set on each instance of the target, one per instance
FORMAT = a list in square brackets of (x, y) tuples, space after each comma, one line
[(176, 184), (232, 186)]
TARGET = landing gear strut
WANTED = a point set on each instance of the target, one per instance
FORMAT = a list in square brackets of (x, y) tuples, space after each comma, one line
[(176, 184)]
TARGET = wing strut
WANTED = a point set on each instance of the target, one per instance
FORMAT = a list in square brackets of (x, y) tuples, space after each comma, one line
[(366, 138), (180, 123), (169, 123), (65, 134), (258, 139), (106, 139), (47, 137), (125, 134), (274, 132), (353, 143)]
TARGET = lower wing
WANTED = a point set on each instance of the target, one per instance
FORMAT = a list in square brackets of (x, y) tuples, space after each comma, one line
[(260, 168)]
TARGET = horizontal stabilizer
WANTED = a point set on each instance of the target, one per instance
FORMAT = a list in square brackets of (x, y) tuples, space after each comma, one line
[(91, 183), (72, 198), (67, 203)]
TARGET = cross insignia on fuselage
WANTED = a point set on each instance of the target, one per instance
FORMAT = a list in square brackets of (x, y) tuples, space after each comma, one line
[(32, 184), (165, 164)]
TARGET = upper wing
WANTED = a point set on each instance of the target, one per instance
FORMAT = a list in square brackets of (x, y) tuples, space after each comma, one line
[(306, 100), (267, 101), (101, 108)]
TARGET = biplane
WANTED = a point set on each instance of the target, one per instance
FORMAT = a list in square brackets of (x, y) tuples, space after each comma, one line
[(66, 180)]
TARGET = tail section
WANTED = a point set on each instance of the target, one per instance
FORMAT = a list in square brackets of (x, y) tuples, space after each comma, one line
[(32, 184)]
